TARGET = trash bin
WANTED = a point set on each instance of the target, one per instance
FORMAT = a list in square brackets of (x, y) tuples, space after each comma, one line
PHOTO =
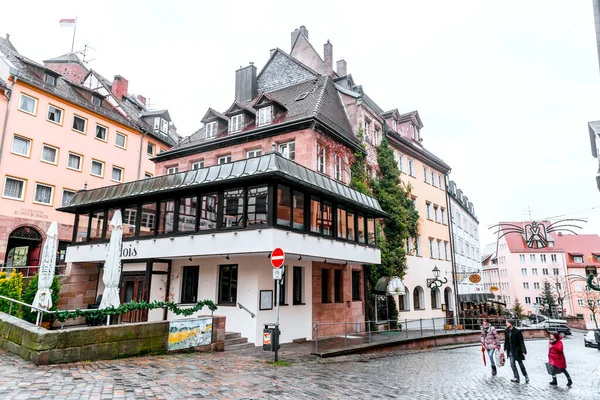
[(271, 337)]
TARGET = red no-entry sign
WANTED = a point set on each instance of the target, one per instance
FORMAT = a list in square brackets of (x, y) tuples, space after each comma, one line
[(277, 258)]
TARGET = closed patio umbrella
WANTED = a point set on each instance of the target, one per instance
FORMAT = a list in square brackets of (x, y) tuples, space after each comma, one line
[(43, 296), (112, 264)]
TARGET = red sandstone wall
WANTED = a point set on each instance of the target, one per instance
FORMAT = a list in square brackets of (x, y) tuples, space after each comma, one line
[(344, 311), (79, 286)]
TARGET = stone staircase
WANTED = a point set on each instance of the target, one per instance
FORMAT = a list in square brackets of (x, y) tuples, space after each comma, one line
[(234, 341)]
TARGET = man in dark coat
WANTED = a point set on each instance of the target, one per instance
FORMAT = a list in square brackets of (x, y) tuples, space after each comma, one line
[(514, 346)]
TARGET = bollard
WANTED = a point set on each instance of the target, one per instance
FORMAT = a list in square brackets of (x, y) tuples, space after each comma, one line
[(406, 326), (421, 325), (433, 323)]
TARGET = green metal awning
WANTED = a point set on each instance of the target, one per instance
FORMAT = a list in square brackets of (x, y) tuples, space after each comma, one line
[(268, 165)]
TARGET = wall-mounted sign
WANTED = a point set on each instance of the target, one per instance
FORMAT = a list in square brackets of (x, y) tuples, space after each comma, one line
[(27, 212), (494, 288), (475, 278), (129, 250), (266, 300)]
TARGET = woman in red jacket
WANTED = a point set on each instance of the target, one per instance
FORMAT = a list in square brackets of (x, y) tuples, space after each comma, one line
[(557, 359)]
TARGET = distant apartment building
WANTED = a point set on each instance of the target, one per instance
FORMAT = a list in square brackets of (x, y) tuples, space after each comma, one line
[(513, 271), (464, 228), (65, 128)]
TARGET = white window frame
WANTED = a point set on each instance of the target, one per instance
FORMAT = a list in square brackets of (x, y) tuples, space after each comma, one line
[(35, 104), (433, 179), (50, 79), (236, 123), (367, 130), (532, 258), (55, 162), (105, 133), (428, 209), (80, 161), (401, 163), (440, 182), (62, 200), (210, 130), (84, 123), (337, 167), (395, 125), (153, 149), (102, 163), (425, 174), (117, 135), (164, 126), (263, 114), (411, 168), (62, 114), (198, 164), (444, 217), (23, 187), (96, 101), (580, 302), (30, 142), (284, 150), (37, 184), (117, 168), (224, 159), (522, 258), (253, 153), (321, 159), (172, 170)]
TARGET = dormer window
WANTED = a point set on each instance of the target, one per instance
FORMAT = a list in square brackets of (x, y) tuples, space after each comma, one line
[(211, 129), (161, 125), (265, 116), (415, 133), (96, 101), (236, 122), (50, 79), (395, 125)]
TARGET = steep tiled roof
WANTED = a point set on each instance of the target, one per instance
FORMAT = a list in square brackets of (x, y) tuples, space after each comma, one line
[(321, 103), (33, 73), (67, 59), (585, 245)]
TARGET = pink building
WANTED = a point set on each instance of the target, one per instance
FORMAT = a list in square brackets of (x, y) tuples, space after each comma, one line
[(514, 271), (60, 134)]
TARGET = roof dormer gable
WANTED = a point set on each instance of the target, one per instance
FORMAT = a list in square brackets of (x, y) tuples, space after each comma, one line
[(212, 115), (238, 108), (264, 100)]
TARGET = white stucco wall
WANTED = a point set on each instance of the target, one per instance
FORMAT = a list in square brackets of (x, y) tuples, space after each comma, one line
[(254, 274)]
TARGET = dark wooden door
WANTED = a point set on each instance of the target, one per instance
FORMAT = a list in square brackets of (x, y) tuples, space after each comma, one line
[(132, 289)]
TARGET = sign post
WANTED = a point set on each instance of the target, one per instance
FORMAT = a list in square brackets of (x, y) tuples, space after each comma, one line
[(277, 260)]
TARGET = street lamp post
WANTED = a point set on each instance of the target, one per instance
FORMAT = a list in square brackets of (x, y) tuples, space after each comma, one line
[(436, 282)]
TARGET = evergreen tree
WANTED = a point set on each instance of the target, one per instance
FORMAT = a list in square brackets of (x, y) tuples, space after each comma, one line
[(403, 220), (518, 309), (548, 297)]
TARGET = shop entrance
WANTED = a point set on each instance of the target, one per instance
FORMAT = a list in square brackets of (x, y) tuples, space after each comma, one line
[(23, 249)]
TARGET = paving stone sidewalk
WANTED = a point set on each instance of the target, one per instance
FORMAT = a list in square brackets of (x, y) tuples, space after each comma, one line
[(452, 373)]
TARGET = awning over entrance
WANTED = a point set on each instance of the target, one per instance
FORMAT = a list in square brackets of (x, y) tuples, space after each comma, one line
[(474, 297)]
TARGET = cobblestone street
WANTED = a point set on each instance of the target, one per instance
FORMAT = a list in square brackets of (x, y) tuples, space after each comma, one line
[(456, 373)]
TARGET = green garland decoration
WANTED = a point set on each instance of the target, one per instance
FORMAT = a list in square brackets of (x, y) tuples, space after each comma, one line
[(62, 316)]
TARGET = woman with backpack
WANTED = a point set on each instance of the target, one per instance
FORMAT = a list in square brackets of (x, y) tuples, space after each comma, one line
[(556, 358), (490, 342)]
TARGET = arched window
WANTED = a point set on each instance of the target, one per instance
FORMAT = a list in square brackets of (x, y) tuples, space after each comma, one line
[(435, 299), (448, 299), (404, 300), (418, 298)]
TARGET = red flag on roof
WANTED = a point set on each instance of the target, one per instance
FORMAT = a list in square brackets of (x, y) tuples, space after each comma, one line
[(69, 23)]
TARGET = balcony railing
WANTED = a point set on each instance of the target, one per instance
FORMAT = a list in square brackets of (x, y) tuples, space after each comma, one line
[(30, 270)]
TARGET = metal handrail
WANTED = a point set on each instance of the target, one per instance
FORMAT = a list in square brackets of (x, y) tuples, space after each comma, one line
[(248, 311)]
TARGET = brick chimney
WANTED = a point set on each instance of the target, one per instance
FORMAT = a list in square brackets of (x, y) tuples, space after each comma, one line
[(342, 68), (296, 32), (119, 86), (142, 99), (328, 57)]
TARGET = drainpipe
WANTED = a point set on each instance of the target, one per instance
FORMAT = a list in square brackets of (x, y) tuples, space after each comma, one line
[(452, 244), (8, 95), (140, 158)]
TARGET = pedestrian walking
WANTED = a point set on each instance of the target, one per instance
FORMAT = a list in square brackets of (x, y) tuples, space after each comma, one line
[(490, 342), (556, 358), (514, 346)]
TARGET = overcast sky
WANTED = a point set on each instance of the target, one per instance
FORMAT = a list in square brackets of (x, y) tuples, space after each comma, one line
[(505, 89)]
